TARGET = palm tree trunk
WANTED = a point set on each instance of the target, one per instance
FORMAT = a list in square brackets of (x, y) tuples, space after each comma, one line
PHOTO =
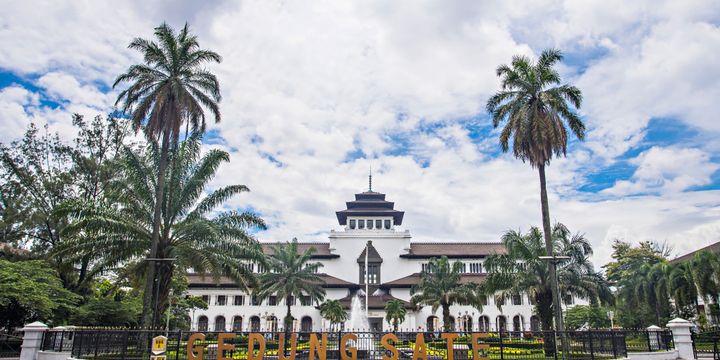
[(149, 318), (446, 317), (547, 233), (288, 316)]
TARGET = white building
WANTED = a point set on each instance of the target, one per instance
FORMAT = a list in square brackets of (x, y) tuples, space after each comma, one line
[(394, 263)]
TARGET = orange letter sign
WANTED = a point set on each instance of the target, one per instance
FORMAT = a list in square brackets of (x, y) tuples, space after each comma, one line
[(251, 346), (315, 346), (343, 349), (385, 344), (419, 350), (281, 347), (222, 346), (477, 346), (195, 352), (449, 337)]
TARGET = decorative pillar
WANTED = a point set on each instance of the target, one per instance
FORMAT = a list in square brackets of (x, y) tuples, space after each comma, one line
[(682, 337), (32, 340)]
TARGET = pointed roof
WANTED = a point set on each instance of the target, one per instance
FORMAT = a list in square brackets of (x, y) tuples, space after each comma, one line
[(370, 203), (373, 255)]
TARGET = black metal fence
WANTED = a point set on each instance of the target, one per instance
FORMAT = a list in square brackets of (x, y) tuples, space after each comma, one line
[(705, 344), (10, 345), (136, 344)]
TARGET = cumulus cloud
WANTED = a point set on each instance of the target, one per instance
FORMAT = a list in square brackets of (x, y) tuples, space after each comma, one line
[(316, 94)]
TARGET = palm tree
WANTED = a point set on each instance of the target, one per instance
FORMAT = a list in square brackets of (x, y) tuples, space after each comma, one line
[(683, 290), (333, 311), (217, 246), (395, 313), (169, 89), (705, 265), (440, 287), (521, 270), (291, 274), (534, 107)]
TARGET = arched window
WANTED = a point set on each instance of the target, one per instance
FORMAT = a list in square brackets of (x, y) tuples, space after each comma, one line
[(220, 323), (203, 323), (237, 323), (452, 323), (272, 324), (484, 323), (306, 324), (501, 323), (534, 323), (432, 323), (254, 323), (517, 323)]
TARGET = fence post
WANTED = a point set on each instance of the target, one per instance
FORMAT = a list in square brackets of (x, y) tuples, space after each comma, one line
[(682, 337), (502, 355), (613, 343), (653, 331), (592, 351), (32, 340), (179, 339)]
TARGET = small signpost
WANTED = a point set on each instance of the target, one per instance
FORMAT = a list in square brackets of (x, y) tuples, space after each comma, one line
[(158, 348)]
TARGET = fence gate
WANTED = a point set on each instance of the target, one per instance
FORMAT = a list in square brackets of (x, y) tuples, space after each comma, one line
[(705, 344)]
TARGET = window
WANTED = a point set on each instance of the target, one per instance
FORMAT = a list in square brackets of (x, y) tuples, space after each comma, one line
[(291, 301), (306, 324), (305, 301), (388, 224), (206, 299), (254, 324), (484, 323), (248, 267), (272, 300), (373, 275), (517, 299), (221, 300), (220, 323), (476, 268), (370, 224), (237, 323), (352, 223), (315, 270), (255, 301), (378, 224), (239, 300), (464, 268), (517, 323), (424, 267), (361, 224), (203, 323)]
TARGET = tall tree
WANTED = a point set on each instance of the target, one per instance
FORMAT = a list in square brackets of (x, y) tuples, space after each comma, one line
[(333, 311), (291, 274), (169, 89), (536, 108), (440, 286), (522, 270), (395, 313), (190, 238)]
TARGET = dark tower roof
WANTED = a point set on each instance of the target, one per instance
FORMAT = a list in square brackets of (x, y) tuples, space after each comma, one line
[(373, 255), (370, 203)]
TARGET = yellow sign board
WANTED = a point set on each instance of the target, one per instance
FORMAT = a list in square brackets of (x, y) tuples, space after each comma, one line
[(159, 345)]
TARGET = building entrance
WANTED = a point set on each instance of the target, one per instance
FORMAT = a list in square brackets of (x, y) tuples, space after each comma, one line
[(376, 323)]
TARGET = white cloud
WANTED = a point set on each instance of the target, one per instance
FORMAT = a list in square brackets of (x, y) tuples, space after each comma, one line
[(666, 170), (311, 83)]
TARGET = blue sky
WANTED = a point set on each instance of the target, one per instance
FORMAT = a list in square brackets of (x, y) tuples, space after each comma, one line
[(316, 95)]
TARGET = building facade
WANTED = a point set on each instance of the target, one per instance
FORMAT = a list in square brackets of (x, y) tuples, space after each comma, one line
[(371, 236)]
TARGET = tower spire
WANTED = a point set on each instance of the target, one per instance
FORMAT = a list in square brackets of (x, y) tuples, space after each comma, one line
[(370, 180)]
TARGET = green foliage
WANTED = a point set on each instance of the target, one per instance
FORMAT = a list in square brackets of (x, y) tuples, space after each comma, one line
[(580, 315), (110, 306), (290, 273), (123, 223), (395, 313), (535, 107), (440, 287), (629, 259), (41, 172), (522, 270), (31, 291), (333, 311)]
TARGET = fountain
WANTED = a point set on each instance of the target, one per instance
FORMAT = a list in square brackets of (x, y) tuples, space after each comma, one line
[(358, 317), (358, 322)]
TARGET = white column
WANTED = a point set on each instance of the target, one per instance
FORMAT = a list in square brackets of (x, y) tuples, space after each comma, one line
[(682, 337), (32, 340)]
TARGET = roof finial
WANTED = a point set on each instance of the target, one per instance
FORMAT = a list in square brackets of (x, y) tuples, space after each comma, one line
[(370, 180)]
